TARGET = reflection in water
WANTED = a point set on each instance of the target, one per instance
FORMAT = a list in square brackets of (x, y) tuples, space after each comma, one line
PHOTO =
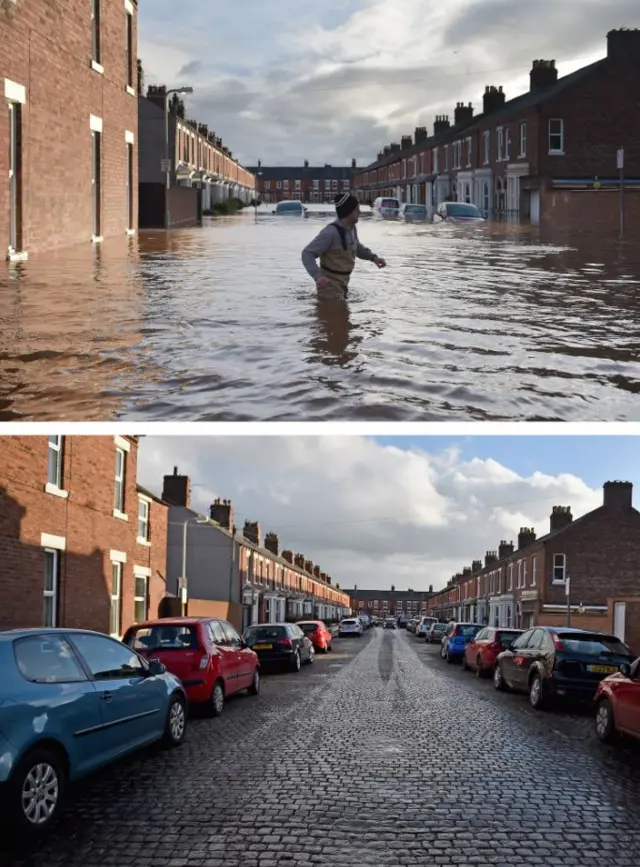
[(501, 321)]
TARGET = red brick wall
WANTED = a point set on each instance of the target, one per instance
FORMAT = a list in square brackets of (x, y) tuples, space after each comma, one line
[(597, 210), (86, 521), (46, 46)]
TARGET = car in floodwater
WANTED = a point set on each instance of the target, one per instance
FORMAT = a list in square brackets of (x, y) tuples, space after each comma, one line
[(291, 208), (386, 207), (457, 212), (412, 213)]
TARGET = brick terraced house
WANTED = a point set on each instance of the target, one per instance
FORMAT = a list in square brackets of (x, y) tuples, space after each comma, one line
[(390, 603), (548, 155), (215, 570), (311, 184), (81, 544), (70, 117), (595, 558)]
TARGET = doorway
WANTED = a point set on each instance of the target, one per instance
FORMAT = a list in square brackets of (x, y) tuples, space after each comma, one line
[(15, 177), (619, 619), (95, 183)]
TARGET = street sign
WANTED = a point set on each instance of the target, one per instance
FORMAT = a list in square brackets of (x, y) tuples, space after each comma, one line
[(165, 166), (620, 158)]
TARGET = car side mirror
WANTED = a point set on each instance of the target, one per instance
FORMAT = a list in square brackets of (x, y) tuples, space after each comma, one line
[(625, 669), (156, 667)]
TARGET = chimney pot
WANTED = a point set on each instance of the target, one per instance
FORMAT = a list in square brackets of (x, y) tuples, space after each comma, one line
[(618, 495), (543, 75), (221, 512)]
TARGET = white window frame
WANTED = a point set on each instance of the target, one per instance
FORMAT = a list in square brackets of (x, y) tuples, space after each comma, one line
[(119, 501), (507, 144), (285, 185), (560, 581), (556, 151), (523, 139), (96, 48), (510, 576), (117, 570), (500, 132), (487, 147), (144, 501), (316, 184), (140, 575), (524, 573), (436, 167), (57, 448), (54, 592), (278, 185), (130, 48), (534, 571), (297, 185), (478, 586), (469, 151), (334, 184)]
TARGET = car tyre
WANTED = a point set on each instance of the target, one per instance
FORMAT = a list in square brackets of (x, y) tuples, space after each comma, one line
[(443, 651), (254, 689), (42, 768), (216, 704), (537, 698), (175, 726), (296, 661), (312, 656), (498, 679), (604, 722)]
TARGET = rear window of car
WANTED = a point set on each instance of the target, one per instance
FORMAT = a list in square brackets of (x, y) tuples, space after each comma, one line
[(505, 637), (593, 645), (163, 637), (463, 210), (389, 203), (349, 622), (439, 627), (467, 630), (286, 207), (308, 628), (263, 633), (415, 209)]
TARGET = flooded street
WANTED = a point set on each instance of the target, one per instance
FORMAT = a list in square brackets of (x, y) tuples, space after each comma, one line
[(222, 323)]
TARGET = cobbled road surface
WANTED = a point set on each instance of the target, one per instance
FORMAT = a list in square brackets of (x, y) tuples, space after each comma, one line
[(379, 754)]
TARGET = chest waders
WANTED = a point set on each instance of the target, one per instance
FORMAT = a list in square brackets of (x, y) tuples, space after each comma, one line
[(338, 265)]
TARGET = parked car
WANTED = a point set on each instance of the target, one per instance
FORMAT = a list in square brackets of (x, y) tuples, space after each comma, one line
[(412, 213), (424, 625), (457, 212), (550, 661), (386, 207), (280, 644), (402, 622), (455, 639), (436, 633), (411, 625), (207, 655), (617, 703), (290, 209), (72, 701), (318, 633), (481, 653), (390, 623), (350, 626)]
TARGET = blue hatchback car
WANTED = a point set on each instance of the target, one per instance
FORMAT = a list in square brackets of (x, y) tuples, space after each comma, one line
[(72, 701), (455, 639)]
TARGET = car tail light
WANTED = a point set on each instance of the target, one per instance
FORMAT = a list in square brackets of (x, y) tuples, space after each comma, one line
[(284, 642), (556, 642)]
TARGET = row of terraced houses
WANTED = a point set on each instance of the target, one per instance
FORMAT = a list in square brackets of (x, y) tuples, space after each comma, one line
[(82, 544), (548, 154)]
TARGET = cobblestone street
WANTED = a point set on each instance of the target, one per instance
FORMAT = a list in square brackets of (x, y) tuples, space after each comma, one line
[(379, 754)]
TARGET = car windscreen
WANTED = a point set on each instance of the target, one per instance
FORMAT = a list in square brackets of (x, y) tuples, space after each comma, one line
[(389, 203), (308, 628), (419, 210), (462, 210), (593, 644), (165, 637), (264, 633), (288, 207)]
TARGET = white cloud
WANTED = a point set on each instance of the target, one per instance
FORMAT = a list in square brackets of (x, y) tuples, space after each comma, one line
[(368, 514), (340, 79)]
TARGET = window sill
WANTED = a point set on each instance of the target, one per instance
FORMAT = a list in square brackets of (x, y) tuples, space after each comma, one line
[(120, 515), (557, 153), (559, 583), (130, 91), (17, 256), (56, 491), (97, 239), (144, 542), (97, 67), (130, 233)]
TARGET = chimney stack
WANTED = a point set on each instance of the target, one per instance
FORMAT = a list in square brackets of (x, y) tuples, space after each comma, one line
[(272, 543), (490, 558), (505, 549), (476, 566), (442, 124), (463, 114), (560, 517), (251, 532), (406, 142), (466, 572), (624, 45), (221, 511), (526, 537), (617, 495), (394, 147), (299, 561), (354, 163), (176, 489), (306, 164), (494, 99), (317, 572), (543, 75), (308, 566), (288, 556), (259, 164), (420, 134)]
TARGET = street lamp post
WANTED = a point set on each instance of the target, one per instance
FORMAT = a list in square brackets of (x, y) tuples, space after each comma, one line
[(168, 161), (184, 583), (258, 175)]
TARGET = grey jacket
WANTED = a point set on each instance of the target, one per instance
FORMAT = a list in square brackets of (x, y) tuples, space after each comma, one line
[(329, 239)]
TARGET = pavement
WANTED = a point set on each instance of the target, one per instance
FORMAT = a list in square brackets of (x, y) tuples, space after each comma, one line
[(378, 754)]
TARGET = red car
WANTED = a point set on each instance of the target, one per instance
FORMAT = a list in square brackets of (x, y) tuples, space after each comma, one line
[(480, 654), (208, 656), (318, 633), (617, 702)]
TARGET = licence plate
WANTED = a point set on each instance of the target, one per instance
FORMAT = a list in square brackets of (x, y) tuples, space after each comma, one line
[(602, 669), (263, 646)]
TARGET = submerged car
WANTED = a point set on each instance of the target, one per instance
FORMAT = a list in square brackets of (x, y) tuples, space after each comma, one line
[(457, 212), (290, 209), (617, 703), (412, 213), (552, 661), (72, 701), (386, 207)]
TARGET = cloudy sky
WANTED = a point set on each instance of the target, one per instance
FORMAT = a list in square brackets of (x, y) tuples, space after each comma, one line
[(405, 511), (289, 80)]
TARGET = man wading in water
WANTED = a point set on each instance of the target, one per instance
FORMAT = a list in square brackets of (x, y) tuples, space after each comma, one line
[(337, 246)]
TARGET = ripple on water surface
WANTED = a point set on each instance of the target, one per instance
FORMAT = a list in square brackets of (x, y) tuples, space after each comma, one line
[(221, 323)]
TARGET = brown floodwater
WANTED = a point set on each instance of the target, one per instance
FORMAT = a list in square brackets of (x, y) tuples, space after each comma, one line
[(221, 323)]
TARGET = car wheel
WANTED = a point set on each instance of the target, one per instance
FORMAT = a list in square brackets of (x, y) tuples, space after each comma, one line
[(479, 668), (176, 724), (443, 651), (36, 791), (498, 679), (296, 662), (604, 722), (536, 692), (254, 689), (312, 656), (216, 705)]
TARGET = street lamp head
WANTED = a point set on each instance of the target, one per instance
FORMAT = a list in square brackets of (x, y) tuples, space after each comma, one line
[(185, 90)]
